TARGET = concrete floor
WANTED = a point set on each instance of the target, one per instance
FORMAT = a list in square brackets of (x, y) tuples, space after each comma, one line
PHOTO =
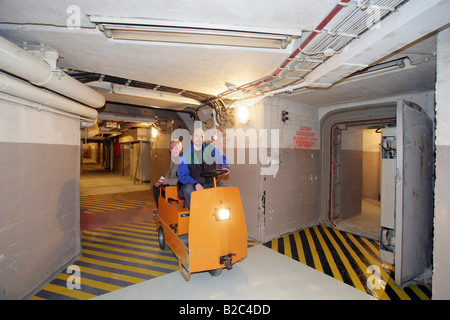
[(96, 180), (263, 275), (367, 224)]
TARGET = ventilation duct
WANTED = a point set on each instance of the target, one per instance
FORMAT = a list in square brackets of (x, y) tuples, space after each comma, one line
[(22, 64)]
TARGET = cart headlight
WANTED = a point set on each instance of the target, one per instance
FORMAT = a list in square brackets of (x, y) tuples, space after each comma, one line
[(222, 214)]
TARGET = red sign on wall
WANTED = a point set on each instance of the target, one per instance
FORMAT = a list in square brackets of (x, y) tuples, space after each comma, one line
[(304, 138)]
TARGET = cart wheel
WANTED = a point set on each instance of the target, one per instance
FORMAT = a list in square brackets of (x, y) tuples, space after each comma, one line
[(161, 239), (215, 272)]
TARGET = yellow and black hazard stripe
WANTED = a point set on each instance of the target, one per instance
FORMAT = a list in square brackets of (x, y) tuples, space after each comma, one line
[(116, 201), (113, 258), (351, 259)]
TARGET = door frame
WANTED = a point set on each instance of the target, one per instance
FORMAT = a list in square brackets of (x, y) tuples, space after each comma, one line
[(373, 113), (335, 158)]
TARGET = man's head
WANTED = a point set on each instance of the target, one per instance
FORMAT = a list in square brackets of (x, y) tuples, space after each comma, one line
[(197, 138), (175, 148)]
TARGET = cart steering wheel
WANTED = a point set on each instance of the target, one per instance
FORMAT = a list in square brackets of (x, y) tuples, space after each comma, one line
[(213, 173)]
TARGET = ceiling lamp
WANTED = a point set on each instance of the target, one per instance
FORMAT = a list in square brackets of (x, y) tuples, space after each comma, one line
[(241, 106), (242, 114), (205, 34), (154, 132)]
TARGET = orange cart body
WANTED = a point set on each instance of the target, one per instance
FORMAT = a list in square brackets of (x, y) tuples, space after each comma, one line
[(209, 237)]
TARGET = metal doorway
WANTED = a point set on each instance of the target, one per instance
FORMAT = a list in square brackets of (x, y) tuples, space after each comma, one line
[(355, 186), (406, 181), (332, 125)]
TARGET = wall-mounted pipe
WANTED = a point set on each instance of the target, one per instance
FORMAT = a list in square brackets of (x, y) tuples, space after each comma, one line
[(26, 91), (23, 64)]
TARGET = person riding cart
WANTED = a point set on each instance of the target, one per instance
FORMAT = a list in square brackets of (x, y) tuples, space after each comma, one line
[(201, 157)]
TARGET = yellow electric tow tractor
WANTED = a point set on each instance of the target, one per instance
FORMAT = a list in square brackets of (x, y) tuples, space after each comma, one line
[(212, 235)]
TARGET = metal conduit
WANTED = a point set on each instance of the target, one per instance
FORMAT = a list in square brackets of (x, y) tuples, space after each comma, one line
[(322, 43)]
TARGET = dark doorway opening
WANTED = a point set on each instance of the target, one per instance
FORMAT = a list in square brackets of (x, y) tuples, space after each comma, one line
[(355, 185)]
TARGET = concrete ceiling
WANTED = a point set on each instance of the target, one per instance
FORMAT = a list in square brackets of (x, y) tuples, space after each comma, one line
[(191, 67), (418, 75), (201, 68)]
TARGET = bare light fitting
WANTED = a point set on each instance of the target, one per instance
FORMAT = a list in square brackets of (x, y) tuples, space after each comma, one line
[(205, 34)]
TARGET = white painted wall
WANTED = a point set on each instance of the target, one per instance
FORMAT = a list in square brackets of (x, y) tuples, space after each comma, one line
[(39, 197), (19, 123), (292, 196)]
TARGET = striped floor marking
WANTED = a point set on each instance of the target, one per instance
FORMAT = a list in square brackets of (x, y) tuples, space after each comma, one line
[(114, 258), (116, 201), (349, 258)]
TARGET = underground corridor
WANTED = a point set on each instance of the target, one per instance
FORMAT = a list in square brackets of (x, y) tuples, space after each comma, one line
[(119, 246), (327, 126)]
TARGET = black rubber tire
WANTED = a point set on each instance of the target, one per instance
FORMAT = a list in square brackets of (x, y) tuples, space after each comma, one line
[(162, 239), (215, 272)]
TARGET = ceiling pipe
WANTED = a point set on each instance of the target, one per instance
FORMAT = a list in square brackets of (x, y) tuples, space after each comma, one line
[(23, 64), (90, 132), (289, 89), (26, 91)]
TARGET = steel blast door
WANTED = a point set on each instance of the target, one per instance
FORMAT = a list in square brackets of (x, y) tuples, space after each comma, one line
[(414, 192)]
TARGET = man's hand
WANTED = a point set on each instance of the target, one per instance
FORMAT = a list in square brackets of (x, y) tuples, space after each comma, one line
[(161, 181), (198, 187), (226, 173)]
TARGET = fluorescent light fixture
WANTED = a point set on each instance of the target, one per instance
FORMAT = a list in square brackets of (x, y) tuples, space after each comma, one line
[(182, 32), (151, 94), (247, 102), (289, 89), (192, 36), (116, 117)]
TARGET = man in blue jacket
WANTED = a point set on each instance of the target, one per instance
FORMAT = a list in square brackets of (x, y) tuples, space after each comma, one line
[(200, 157)]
